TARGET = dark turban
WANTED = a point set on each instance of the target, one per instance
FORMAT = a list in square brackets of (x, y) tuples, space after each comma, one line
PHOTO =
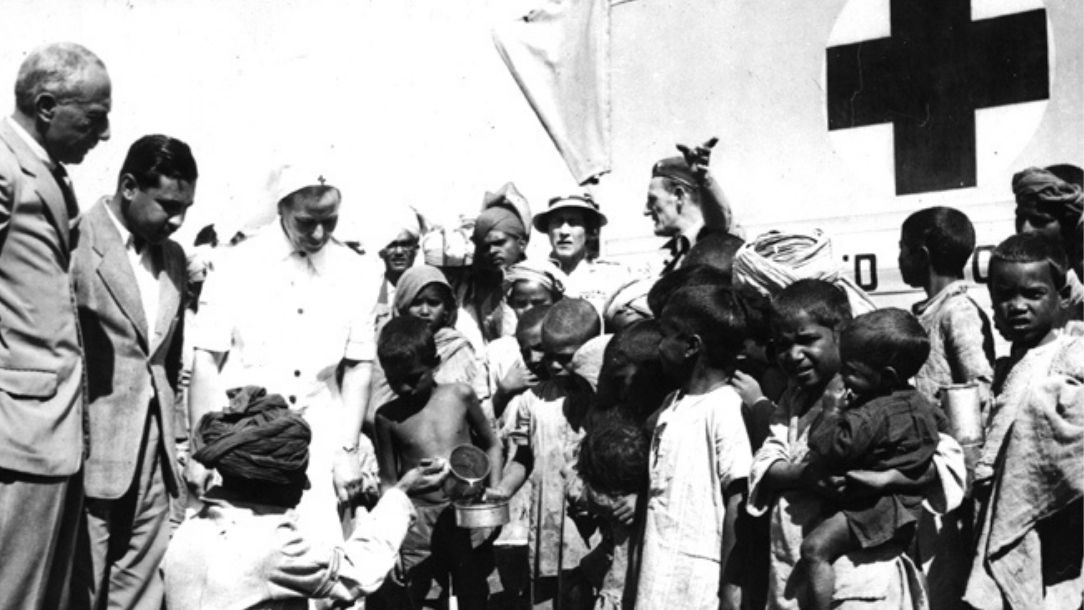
[(498, 218), (1039, 190), (257, 438)]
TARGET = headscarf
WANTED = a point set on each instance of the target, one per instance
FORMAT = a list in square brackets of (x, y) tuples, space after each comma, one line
[(413, 281), (632, 295), (498, 218), (256, 438), (542, 271), (775, 260), (1039, 190)]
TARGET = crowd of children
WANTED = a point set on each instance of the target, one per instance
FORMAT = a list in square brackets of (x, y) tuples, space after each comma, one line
[(748, 437)]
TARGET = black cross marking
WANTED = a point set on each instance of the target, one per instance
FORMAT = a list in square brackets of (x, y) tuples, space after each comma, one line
[(928, 79)]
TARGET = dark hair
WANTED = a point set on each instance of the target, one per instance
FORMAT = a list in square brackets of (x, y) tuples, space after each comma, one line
[(886, 337), (532, 317), (716, 314), (636, 398), (404, 341), (818, 299), (152, 157), (946, 233), (614, 457), (685, 277), (715, 250), (308, 193), (1033, 248), (571, 320), (207, 235)]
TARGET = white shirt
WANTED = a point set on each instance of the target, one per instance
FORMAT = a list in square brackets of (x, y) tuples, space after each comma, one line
[(31, 142), (143, 268), (596, 281), (286, 318)]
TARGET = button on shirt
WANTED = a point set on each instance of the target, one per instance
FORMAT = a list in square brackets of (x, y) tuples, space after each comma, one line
[(144, 269), (287, 318)]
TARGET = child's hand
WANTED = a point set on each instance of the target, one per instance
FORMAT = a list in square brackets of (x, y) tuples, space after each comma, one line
[(817, 480), (747, 388), (516, 380), (624, 512), (873, 479)]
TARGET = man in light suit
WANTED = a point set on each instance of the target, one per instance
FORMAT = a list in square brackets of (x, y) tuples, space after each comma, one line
[(62, 99), (129, 279)]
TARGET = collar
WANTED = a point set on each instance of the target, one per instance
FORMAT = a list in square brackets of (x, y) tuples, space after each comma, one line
[(955, 288), (285, 249), (126, 236), (32, 143)]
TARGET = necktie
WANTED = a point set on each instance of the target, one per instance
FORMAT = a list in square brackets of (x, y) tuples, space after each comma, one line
[(65, 184)]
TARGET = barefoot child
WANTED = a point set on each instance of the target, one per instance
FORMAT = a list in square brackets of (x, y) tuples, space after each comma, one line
[(885, 425), (427, 421)]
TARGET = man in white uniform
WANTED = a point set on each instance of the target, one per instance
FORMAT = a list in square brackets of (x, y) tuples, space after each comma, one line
[(290, 310)]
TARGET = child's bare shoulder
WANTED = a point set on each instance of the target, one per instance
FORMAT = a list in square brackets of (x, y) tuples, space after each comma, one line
[(457, 391)]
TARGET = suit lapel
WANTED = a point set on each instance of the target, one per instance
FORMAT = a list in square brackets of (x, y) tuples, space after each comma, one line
[(115, 269), (44, 183)]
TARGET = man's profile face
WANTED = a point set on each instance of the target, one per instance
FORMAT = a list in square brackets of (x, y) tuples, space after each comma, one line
[(156, 212), (81, 121), (662, 208), (310, 221)]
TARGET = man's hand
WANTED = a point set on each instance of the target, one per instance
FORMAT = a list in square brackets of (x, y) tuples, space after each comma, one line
[(698, 158), (517, 379), (347, 476), (747, 388), (427, 476)]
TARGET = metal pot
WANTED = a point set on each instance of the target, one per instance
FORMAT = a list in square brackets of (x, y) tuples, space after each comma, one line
[(481, 514), (470, 470)]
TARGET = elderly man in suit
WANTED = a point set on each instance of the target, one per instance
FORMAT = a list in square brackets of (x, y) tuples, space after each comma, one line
[(62, 99), (129, 280)]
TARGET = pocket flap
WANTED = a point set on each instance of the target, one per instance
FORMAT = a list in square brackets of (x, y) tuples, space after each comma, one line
[(22, 382)]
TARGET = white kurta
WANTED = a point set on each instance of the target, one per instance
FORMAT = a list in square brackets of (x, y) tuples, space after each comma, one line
[(700, 447), (286, 321)]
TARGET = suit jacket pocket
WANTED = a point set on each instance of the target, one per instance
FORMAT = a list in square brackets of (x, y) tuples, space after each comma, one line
[(22, 382)]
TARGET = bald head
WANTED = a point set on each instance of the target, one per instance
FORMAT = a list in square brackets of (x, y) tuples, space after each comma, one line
[(63, 96), (56, 69)]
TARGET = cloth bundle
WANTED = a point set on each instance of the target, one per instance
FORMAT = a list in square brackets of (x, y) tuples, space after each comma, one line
[(775, 260), (443, 247)]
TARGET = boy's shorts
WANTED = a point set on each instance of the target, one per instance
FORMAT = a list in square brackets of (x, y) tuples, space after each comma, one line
[(437, 555)]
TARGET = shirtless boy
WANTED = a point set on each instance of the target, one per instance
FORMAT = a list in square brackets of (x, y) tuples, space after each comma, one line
[(424, 422)]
